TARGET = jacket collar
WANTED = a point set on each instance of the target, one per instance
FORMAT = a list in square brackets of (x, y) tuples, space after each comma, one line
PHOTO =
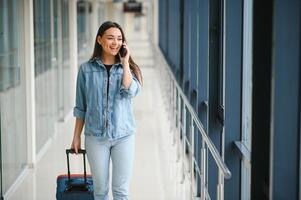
[(100, 63)]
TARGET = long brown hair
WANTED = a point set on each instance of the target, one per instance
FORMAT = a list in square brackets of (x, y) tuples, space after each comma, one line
[(98, 49)]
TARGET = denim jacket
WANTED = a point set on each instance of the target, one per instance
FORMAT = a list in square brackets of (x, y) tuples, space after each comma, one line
[(107, 115)]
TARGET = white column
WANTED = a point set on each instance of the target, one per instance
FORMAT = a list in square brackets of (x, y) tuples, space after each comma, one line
[(73, 45), (29, 81)]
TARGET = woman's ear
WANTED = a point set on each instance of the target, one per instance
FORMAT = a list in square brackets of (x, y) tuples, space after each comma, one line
[(99, 40)]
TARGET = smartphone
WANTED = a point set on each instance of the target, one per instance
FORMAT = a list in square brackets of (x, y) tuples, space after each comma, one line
[(122, 51)]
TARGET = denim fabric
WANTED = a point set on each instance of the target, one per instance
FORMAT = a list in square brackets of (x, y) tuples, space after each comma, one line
[(107, 115), (121, 151)]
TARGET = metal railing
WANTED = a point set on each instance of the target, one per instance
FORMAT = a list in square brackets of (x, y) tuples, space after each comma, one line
[(178, 108)]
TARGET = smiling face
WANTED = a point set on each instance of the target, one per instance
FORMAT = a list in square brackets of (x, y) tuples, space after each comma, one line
[(110, 41)]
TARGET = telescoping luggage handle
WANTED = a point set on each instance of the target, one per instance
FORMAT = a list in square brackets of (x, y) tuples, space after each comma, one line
[(80, 151)]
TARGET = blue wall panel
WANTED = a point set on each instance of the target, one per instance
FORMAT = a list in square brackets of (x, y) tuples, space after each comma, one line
[(194, 51), (203, 64), (203, 61), (170, 36), (190, 53), (186, 47), (233, 94), (285, 103)]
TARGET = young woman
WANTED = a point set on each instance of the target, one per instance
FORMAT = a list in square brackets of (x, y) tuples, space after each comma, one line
[(105, 86)]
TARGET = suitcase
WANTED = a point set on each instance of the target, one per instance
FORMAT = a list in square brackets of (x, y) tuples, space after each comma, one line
[(75, 186)]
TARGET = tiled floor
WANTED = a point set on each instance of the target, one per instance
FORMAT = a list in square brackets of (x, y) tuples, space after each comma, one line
[(155, 174)]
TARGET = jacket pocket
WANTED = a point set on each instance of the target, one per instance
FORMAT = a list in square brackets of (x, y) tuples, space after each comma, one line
[(123, 115), (94, 121)]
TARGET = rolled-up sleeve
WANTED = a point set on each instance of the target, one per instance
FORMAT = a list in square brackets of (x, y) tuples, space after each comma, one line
[(80, 108), (133, 90)]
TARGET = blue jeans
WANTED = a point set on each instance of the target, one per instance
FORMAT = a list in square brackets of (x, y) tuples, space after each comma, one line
[(99, 152)]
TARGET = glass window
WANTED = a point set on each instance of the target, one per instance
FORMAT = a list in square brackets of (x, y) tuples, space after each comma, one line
[(67, 101), (61, 57), (12, 93), (45, 72), (9, 69), (84, 9), (81, 24), (65, 30), (42, 40)]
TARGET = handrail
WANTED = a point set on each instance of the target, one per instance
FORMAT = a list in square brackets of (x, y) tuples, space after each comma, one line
[(184, 123), (220, 163)]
